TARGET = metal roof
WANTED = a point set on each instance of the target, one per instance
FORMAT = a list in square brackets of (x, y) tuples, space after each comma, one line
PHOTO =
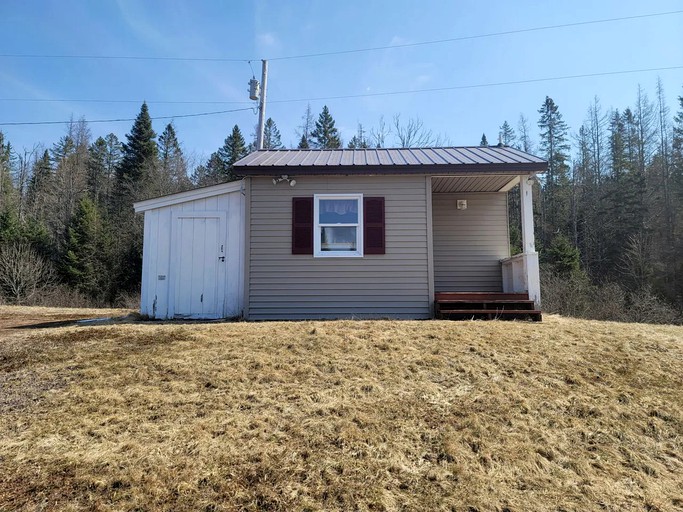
[(500, 159)]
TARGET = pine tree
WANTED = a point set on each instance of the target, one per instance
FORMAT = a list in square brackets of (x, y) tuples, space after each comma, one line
[(84, 263), (677, 153), (70, 162), (617, 146), (555, 148), (7, 192), (507, 134), (98, 186), (211, 173), (359, 140), (306, 128), (677, 193), (6, 158), (233, 149), (172, 163), (39, 188), (325, 135), (563, 256), (614, 210), (644, 116), (140, 152), (114, 154), (484, 142), (303, 143), (62, 149), (134, 177), (271, 135)]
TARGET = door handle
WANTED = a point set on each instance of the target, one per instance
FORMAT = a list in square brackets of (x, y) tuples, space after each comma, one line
[(222, 258)]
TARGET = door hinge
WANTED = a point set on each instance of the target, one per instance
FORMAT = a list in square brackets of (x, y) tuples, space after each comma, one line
[(201, 299)]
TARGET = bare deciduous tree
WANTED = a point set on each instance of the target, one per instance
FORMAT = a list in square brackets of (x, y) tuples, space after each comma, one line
[(23, 272), (412, 134), (636, 262), (380, 135)]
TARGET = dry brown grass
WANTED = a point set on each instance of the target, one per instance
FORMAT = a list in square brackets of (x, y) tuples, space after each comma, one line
[(436, 415)]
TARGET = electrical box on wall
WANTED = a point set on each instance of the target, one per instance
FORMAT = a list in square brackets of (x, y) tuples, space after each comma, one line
[(462, 204)]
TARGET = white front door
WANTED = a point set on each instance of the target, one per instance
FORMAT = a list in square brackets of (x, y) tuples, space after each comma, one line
[(199, 248)]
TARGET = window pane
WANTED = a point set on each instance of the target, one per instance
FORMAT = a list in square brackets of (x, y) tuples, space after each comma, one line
[(337, 239), (338, 211)]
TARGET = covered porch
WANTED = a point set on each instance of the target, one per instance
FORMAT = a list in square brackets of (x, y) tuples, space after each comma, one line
[(474, 274)]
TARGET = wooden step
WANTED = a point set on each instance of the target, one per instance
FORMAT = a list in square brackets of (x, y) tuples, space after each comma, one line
[(479, 296), (450, 301), (484, 306), (503, 314), (484, 301)]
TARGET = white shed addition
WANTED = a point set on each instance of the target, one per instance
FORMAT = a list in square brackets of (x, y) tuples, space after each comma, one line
[(193, 253)]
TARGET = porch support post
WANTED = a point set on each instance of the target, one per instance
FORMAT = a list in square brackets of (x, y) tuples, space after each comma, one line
[(526, 203), (533, 281)]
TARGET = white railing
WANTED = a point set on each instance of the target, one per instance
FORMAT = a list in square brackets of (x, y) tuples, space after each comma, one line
[(521, 275)]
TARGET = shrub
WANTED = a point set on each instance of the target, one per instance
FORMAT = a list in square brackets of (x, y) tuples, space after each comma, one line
[(24, 274), (646, 307), (574, 294)]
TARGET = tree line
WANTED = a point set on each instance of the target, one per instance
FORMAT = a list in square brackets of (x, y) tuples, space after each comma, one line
[(608, 210)]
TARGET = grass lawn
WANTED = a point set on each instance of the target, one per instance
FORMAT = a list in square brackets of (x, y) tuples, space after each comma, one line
[(345, 415)]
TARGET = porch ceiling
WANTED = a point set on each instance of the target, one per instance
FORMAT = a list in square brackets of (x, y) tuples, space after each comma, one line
[(489, 183)]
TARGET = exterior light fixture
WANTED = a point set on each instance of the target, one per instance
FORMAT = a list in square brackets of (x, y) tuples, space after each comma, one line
[(284, 177)]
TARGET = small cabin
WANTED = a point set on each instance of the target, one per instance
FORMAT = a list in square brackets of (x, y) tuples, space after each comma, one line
[(347, 233)]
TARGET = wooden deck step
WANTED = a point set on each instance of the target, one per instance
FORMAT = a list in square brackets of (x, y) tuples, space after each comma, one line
[(492, 314), (484, 301), (485, 305), (488, 296)]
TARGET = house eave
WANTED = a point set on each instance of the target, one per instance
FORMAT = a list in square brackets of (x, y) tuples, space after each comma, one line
[(511, 169)]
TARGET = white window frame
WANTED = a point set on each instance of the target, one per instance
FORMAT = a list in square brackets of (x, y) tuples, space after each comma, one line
[(317, 249)]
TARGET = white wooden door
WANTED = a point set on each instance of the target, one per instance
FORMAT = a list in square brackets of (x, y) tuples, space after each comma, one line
[(199, 249)]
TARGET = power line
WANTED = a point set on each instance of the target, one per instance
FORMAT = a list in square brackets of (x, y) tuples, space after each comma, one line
[(477, 86), (92, 100), (340, 52), (478, 36), (128, 119), (118, 57), (339, 97)]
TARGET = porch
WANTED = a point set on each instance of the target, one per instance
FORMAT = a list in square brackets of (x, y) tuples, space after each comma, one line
[(474, 274)]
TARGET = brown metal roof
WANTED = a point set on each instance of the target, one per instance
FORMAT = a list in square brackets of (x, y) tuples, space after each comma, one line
[(451, 160)]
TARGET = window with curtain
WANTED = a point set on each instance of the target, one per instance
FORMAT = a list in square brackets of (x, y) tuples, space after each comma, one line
[(338, 229)]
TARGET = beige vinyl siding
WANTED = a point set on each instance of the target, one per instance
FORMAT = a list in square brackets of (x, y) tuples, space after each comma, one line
[(287, 286), (469, 244)]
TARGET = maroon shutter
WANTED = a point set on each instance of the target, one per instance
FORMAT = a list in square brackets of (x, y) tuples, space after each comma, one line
[(302, 225), (373, 225)]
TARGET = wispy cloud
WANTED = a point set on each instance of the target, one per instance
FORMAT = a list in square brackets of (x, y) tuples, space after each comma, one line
[(26, 89), (137, 19), (421, 80), (396, 40), (134, 16), (267, 40)]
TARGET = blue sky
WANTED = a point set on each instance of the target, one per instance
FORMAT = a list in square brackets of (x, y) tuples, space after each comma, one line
[(270, 29)]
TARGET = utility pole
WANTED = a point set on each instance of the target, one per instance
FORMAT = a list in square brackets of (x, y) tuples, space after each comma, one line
[(262, 104)]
